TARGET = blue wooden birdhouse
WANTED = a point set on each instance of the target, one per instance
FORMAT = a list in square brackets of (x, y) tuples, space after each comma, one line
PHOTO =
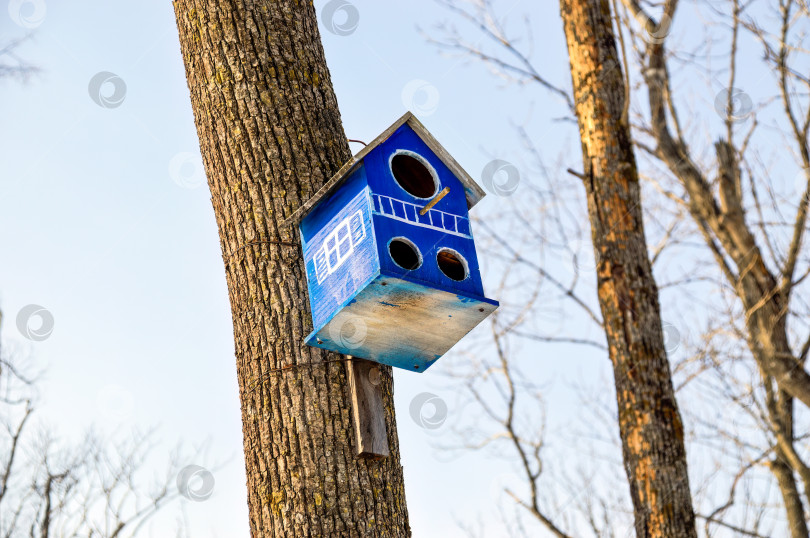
[(391, 266)]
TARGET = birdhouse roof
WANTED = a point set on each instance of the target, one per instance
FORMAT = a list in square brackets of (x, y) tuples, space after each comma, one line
[(473, 192)]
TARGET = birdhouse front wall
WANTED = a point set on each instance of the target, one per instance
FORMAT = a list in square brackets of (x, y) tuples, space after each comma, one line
[(428, 243), (398, 216), (381, 178), (339, 248)]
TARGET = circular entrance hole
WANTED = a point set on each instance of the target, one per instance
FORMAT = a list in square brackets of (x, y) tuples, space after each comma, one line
[(452, 264), (413, 175), (404, 253)]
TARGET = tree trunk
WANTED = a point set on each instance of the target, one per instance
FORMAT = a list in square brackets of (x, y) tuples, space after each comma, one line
[(270, 135), (790, 495), (780, 409), (723, 225), (649, 421)]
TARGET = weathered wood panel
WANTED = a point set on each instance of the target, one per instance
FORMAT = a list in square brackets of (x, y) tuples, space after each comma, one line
[(368, 413), (402, 323)]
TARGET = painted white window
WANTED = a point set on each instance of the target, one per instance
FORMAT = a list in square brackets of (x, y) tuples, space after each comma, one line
[(339, 245)]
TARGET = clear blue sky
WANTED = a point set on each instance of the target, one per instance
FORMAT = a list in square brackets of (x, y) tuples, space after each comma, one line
[(126, 257)]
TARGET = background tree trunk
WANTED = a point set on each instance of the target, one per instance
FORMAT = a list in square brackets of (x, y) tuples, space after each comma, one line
[(649, 421), (270, 135)]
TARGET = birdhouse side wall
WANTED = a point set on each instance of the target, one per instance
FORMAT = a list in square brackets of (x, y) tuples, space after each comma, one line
[(339, 247)]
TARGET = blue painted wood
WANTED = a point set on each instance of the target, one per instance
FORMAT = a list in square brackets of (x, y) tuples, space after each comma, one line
[(428, 242), (396, 214), (339, 248), (363, 303), (381, 180), (402, 323)]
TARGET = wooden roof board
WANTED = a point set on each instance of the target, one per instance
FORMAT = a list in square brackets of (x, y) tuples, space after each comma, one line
[(473, 192)]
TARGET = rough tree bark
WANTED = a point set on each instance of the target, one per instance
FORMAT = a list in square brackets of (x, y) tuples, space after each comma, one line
[(649, 421), (270, 135)]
